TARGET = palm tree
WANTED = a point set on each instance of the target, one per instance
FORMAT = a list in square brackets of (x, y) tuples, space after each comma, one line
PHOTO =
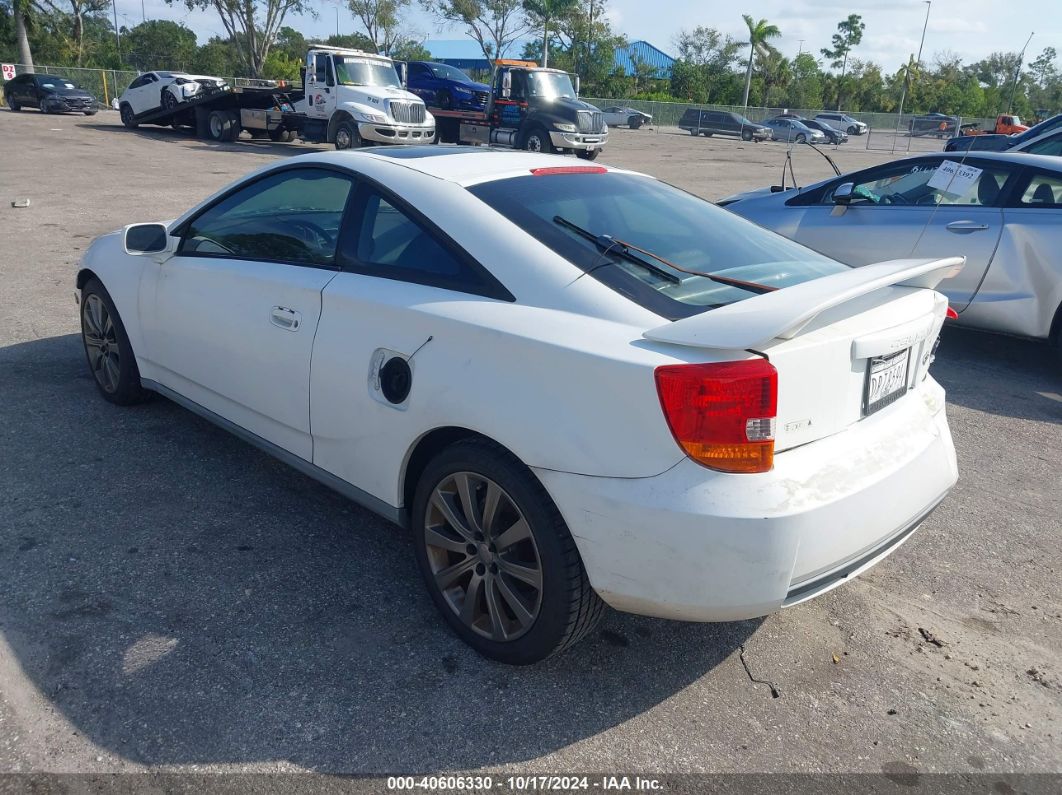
[(759, 33), (20, 9), (541, 13)]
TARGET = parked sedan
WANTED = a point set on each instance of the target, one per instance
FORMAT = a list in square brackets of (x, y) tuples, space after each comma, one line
[(795, 131), (1002, 211), (48, 93), (153, 91), (617, 116), (833, 135), (1001, 143), (471, 317)]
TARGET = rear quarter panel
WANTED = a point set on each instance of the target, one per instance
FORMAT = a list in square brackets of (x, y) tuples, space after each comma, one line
[(1022, 290)]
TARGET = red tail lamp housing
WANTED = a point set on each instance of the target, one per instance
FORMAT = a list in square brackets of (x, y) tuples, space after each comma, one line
[(722, 414), (951, 314)]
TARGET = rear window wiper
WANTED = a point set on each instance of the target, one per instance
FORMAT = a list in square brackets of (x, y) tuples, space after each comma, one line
[(625, 249), (609, 244)]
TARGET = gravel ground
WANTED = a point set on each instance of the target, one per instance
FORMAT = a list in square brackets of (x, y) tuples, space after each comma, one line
[(175, 600)]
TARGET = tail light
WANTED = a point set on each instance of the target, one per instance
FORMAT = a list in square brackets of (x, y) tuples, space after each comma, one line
[(951, 314), (722, 414)]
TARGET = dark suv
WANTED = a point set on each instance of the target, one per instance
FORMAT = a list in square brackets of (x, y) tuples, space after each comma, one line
[(49, 93), (721, 122)]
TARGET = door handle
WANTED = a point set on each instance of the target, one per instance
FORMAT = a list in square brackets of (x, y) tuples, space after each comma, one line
[(965, 227), (287, 319)]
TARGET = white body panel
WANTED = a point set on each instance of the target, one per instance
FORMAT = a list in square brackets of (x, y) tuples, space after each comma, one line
[(563, 377)]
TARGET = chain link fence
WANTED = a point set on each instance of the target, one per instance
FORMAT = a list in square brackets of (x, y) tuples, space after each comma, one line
[(888, 131)]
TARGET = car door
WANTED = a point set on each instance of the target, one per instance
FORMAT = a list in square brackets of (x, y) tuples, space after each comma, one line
[(909, 209), (19, 89), (144, 97), (397, 268), (229, 321)]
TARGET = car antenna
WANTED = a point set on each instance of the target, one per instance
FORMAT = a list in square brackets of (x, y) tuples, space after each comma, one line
[(789, 162)]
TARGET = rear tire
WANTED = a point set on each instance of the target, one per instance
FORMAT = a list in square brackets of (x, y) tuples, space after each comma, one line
[(107, 349), (707, 134), (128, 119), (220, 125), (90, 112), (13, 105), (281, 135), (528, 597)]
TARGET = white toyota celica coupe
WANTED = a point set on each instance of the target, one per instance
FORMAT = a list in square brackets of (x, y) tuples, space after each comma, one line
[(575, 385)]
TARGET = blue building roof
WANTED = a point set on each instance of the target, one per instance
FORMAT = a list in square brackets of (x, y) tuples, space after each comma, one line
[(644, 52)]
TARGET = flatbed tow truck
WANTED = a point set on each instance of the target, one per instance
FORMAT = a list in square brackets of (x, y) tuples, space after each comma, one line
[(529, 107), (347, 98)]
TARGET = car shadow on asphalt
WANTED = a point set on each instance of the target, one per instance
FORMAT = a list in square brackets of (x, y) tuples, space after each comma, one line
[(181, 598), (186, 137), (1001, 375)]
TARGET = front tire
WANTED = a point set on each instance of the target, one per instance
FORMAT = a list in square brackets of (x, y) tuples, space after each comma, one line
[(445, 100), (746, 135), (107, 349), (636, 123), (169, 101), (801, 139), (538, 140), (588, 154), (497, 558), (347, 136)]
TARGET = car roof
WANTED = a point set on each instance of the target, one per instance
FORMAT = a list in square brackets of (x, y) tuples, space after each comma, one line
[(463, 165)]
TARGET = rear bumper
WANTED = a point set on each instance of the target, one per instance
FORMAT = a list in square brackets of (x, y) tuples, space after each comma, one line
[(697, 545)]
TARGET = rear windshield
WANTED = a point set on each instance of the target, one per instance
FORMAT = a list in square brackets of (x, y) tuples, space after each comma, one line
[(689, 232)]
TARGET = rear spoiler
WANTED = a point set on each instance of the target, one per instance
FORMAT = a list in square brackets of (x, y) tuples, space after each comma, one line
[(783, 313)]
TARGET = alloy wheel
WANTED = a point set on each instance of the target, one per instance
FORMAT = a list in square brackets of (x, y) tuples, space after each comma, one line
[(101, 343), (483, 557), (534, 143)]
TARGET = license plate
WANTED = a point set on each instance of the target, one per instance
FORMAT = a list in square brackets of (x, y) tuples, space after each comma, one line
[(886, 380)]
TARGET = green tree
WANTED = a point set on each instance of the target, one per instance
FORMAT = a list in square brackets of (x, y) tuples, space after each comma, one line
[(410, 50), (252, 25), (543, 13), (381, 20), (805, 87), (703, 71), (159, 44), (759, 34), (849, 34), (494, 24)]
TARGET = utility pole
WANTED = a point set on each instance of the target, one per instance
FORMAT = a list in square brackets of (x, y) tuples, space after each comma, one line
[(907, 74), (117, 35), (1017, 73)]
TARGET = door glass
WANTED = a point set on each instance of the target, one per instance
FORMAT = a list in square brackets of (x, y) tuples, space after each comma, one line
[(1051, 146), (910, 185), (292, 216), (1043, 191)]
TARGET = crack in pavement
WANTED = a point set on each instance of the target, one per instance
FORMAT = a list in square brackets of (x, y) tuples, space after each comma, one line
[(775, 692)]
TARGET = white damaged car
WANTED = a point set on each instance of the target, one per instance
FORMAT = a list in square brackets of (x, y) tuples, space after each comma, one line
[(157, 90), (574, 385)]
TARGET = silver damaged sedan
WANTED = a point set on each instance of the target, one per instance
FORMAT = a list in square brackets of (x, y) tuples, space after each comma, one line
[(1001, 210)]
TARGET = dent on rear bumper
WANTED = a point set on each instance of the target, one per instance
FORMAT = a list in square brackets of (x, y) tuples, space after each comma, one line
[(696, 545)]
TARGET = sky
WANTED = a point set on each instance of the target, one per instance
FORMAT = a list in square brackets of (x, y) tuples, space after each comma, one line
[(970, 29)]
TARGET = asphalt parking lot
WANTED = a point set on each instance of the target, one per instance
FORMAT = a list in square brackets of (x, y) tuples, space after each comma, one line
[(175, 600)]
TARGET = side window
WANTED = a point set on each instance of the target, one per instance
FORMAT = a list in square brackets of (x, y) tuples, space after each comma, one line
[(1044, 191), (293, 216), (1049, 146), (393, 244), (906, 185), (321, 68)]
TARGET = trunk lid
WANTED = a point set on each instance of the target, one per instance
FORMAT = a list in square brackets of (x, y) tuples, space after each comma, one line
[(845, 346)]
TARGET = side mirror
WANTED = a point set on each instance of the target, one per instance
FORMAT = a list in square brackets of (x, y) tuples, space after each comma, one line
[(577, 85), (403, 73), (507, 84), (140, 239), (844, 193)]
